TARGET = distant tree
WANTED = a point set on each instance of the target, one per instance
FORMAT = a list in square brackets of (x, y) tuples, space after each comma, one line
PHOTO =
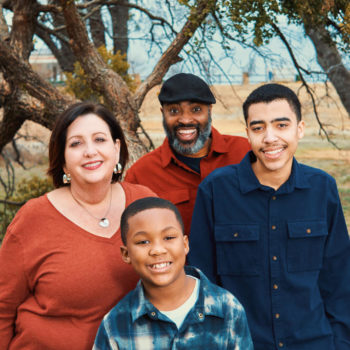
[(327, 23)]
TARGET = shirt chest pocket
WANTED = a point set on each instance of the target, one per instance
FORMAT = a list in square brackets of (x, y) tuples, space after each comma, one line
[(237, 249), (305, 245)]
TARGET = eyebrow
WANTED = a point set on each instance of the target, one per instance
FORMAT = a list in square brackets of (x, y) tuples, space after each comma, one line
[(163, 231), (281, 119), (95, 133)]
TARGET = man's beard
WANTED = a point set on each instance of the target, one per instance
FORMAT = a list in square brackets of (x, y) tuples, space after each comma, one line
[(184, 147)]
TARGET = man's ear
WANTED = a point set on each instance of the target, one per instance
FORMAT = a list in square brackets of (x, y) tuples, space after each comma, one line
[(125, 254), (301, 129)]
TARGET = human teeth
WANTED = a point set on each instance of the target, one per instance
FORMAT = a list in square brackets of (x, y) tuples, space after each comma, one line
[(275, 151), (160, 266), (187, 131), (92, 164)]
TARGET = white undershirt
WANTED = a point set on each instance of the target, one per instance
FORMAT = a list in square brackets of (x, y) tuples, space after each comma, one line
[(178, 315)]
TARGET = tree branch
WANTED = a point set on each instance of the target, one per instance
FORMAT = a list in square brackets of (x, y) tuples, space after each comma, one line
[(21, 73), (18, 204), (107, 82), (170, 56), (304, 83)]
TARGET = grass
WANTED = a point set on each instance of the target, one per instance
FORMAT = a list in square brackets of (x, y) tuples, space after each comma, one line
[(319, 153)]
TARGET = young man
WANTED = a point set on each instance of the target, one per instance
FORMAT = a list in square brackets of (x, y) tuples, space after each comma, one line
[(171, 307), (192, 149), (272, 231)]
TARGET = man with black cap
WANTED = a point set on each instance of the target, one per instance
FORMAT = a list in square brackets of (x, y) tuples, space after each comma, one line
[(192, 148)]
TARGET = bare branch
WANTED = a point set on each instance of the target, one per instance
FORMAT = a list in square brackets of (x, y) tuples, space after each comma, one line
[(133, 6), (18, 204), (304, 83), (170, 56)]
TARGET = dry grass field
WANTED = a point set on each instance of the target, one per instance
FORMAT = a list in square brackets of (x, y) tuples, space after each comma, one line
[(314, 149)]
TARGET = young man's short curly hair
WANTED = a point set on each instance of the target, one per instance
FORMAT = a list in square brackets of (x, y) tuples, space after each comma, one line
[(271, 92)]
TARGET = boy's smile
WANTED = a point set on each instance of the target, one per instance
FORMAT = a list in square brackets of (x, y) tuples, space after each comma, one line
[(156, 248)]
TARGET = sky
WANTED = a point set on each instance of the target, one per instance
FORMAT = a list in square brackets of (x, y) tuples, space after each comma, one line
[(276, 62)]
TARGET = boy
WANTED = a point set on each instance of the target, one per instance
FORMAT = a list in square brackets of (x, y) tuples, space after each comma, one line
[(172, 307), (272, 231)]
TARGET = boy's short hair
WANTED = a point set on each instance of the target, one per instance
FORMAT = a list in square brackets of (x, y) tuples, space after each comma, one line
[(270, 92), (145, 204)]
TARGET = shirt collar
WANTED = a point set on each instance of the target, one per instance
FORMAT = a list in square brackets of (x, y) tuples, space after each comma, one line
[(207, 303), (248, 181), (217, 145)]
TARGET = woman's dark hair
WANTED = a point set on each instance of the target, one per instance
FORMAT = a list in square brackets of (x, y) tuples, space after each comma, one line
[(59, 135)]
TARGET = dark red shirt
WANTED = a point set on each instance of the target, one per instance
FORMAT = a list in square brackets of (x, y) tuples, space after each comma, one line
[(171, 179)]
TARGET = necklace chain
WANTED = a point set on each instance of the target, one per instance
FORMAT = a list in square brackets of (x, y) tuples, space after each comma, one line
[(103, 222)]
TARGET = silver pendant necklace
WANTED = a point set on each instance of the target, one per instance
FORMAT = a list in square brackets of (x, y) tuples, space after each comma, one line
[(103, 222)]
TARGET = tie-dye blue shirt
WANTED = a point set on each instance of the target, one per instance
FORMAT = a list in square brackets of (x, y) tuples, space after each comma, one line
[(217, 321)]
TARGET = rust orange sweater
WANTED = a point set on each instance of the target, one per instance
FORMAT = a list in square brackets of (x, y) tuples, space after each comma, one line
[(57, 281)]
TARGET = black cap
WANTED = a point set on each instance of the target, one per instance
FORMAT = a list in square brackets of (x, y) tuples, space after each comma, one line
[(185, 87)]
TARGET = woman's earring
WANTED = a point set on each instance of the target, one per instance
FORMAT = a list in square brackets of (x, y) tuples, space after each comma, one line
[(118, 169), (66, 179)]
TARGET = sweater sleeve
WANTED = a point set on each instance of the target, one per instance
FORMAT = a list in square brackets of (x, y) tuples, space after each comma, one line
[(13, 286)]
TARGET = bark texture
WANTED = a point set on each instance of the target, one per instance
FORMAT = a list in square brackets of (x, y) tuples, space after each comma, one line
[(120, 16), (331, 62)]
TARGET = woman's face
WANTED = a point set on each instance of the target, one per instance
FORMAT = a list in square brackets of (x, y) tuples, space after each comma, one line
[(90, 152)]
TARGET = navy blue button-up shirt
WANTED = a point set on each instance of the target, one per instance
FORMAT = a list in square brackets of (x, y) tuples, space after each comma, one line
[(284, 254)]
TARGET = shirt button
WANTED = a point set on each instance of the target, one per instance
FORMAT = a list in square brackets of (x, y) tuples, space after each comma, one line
[(277, 316), (274, 258), (280, 344), (200, 315), (274, 198), (273, 227), (235, 234), (153, 313), (275, 286), (308, 231)]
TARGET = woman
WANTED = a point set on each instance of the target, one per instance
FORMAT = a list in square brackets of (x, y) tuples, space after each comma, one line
[(60, 263)]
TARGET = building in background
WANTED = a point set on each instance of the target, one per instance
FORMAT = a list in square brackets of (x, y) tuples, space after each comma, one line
[(46, 65)]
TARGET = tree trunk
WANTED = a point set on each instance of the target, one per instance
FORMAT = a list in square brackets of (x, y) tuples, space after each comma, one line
[(329, 59), (120, 17), (97, 28), (64, 54)]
